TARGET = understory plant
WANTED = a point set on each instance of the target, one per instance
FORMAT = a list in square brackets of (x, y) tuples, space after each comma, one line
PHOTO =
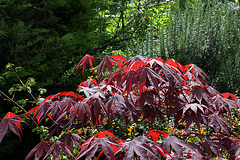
[(139, 108)]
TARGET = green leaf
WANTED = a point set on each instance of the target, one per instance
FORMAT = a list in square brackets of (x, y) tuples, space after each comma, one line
[(30, 81), (42, 90), (18, 69), (9, 66)]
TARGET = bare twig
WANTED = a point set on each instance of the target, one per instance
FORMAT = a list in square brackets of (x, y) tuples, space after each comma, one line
[(20, 108), (24, 85)]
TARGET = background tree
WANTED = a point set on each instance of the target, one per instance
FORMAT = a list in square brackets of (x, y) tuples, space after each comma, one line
[(205, 33)]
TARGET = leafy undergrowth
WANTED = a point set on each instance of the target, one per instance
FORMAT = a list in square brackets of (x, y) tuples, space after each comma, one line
[(140, 108)]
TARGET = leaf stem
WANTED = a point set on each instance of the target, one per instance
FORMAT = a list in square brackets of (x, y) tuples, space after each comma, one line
[(24, 85), (20, 107)]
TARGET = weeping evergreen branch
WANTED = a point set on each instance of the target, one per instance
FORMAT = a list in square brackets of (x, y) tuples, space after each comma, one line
[(203, 32)]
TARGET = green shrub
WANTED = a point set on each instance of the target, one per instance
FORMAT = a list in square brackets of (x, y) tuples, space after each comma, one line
[(203, 33)]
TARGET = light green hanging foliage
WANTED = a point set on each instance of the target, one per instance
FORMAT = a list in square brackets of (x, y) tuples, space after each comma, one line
[(206, 33)]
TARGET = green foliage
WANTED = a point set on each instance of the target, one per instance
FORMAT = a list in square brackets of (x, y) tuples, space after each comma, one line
[(199, 32), (44, 36), (22, 94)]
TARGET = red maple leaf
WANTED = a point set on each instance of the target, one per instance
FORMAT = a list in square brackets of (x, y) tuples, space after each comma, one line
[(11, 121), (86, 59), (154, 134)]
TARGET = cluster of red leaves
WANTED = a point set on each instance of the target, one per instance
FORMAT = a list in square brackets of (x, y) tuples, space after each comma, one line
[(140, 87)]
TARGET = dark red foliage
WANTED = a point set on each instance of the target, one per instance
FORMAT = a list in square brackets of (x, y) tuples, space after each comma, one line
[(56, 149), (229, 96), (154, 134), (87, 83), (11, 121), (86, 59), (104, 139), (38, 150), (213, 145), (70, 139), (180, 146), (108, 61), (217, 122), (82, 110), (129, 149), (90, 147), (140, 89), (125, 108)]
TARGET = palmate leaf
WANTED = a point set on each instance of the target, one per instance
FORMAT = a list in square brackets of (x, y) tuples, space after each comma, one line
[(217, 122), (90, 147), (41, 111), (192, 113), (175, 65), (150, 105), (130, 80), (136, 147), (118, 60), (155, 146), (166, 73), (212, 92), (86, 59), (30, 111), (154, 134), (56, 149), (97, 108), (133, 110), (213, 145), (67, 105), (193, 72), (188, 113), (222, 104), (81, 109), (57, 108), (199, 94), (151, 112), (144, 74), (109, 86), (87, 83), (54, 106), (108, 61), (135, 62), (38, 150), (70, 139), (126, 110), (234, 145), (138, 78), (34, 110), (229, 96), (90, 91), (179, 145), (11, 121), (103, 134)]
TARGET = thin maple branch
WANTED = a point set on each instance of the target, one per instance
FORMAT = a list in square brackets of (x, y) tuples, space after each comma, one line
[(20, 108), (124, 27), (24, 85), (104, 46), (135, 16)]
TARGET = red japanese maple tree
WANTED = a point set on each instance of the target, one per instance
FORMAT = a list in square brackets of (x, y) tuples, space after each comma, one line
[(138, 88)]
